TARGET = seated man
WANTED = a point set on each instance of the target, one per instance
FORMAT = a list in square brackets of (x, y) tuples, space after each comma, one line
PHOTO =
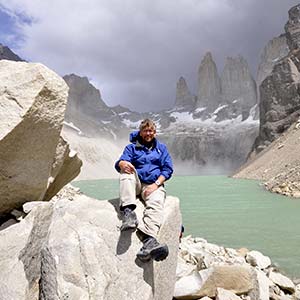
[(144, 166)]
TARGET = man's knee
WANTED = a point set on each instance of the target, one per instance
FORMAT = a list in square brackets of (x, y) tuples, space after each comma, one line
[(126, 176)]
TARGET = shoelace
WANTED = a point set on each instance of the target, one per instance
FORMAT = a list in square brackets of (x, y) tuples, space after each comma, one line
[(127, 211)]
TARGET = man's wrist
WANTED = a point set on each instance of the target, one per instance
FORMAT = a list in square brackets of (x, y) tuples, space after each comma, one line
[(157, 182)]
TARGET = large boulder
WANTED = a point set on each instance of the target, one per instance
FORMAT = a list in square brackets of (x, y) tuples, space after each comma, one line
[(32, 107), (74, 250), (237, 279)]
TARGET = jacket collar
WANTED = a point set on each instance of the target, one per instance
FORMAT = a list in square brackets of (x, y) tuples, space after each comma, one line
[(134, 138)]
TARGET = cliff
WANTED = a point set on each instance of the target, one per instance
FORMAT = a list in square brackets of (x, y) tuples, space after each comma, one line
[(279, 92)]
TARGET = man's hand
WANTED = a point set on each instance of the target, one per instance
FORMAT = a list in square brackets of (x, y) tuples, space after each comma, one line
[(150, 189), (126, 167)]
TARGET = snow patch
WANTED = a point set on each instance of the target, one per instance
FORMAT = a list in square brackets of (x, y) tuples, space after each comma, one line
[(131, 124), (199, 109), (219, 108), (71, 125), (72, 153)]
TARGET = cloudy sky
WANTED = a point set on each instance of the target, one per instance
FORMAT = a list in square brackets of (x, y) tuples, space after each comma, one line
[(134, 51)]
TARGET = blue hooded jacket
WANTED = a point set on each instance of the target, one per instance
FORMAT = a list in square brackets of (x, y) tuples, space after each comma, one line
[(149, 163)]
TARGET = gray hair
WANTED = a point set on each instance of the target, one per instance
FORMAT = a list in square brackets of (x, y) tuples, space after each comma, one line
[(147, 123)]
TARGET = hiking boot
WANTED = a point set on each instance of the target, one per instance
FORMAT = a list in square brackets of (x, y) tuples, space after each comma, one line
[(153, 249), (129, 220)]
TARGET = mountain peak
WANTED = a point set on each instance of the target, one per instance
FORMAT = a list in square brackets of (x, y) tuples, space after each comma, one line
[(6, 53)]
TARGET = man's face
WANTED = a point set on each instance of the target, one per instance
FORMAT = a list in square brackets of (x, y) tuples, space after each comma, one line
[(148, 134)]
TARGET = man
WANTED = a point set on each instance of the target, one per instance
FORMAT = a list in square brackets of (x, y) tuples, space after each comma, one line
[(144, 166)]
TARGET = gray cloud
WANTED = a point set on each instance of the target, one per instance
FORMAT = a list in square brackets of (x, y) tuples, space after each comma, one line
[(135, 50)]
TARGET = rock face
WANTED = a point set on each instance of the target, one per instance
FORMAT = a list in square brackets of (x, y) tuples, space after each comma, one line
[(279, 92), (274, 51), (6, 53), (32, 107), (207, 145), (73, 250), (292, 28), (209, 86), (238, 86), (184, 98), (86, 109)]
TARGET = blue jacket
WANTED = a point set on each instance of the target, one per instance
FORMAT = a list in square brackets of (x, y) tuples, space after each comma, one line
[(149, 163)]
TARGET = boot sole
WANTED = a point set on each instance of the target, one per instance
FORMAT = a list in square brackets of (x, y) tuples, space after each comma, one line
[(158, 254), (129, 227)]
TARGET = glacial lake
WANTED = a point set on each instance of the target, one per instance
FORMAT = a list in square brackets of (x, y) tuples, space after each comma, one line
[(234, 213)]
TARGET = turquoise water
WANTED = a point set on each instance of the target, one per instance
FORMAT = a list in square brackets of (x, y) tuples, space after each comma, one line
[(230, 212)]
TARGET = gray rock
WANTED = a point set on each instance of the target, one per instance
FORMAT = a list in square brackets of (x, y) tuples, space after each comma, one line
[(74, 250)]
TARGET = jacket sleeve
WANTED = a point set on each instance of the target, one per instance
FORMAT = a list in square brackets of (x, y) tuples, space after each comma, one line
[(126, 155), (167, 164)]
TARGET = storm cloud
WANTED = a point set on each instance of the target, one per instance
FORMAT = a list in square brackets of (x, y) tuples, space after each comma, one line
[(134, 51)]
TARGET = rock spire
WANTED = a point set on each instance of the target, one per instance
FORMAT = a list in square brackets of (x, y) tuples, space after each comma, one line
[(184, 98), (209, 86), (237, 83)]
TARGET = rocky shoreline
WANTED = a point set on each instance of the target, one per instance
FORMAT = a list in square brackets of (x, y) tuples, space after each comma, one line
[(208, 271)]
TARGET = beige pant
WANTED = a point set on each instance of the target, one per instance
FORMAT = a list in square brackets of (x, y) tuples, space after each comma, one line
[(130, 187)]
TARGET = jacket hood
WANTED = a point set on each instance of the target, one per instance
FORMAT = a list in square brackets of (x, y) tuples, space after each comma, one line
[(133, 137)]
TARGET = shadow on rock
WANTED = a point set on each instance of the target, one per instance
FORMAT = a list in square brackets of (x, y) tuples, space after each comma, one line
[(124, 241), (148, 271)]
